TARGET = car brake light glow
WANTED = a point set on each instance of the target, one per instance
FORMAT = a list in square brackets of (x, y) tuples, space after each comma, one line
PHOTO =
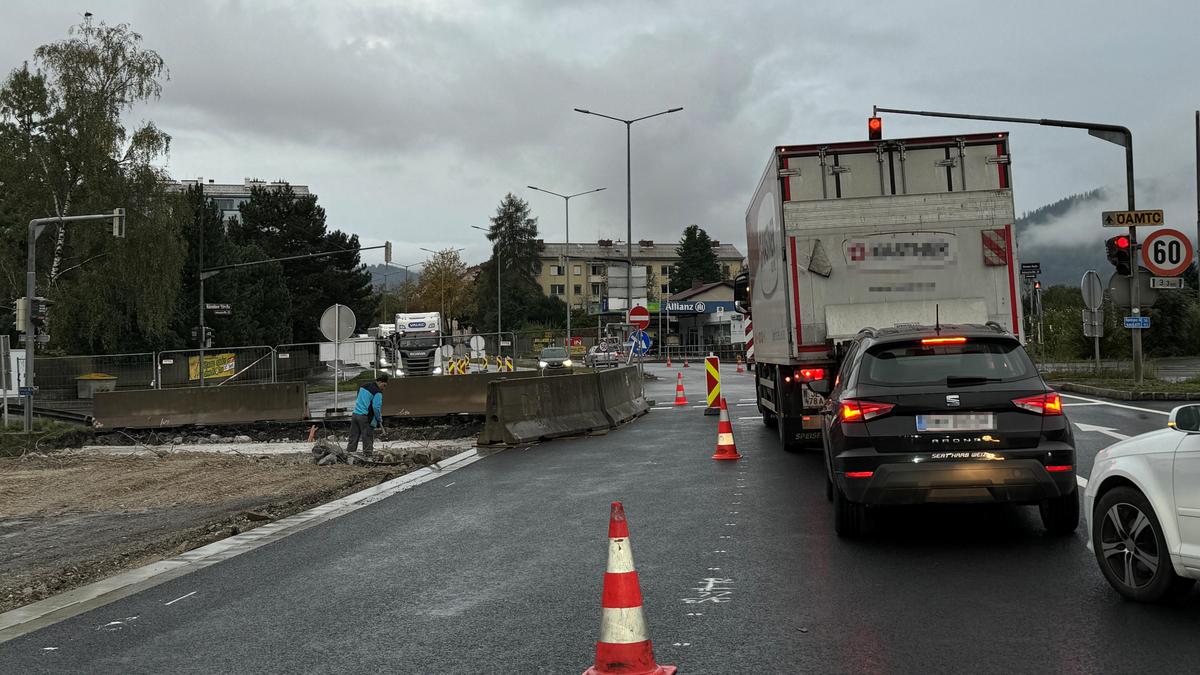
[(1044, 404), (944, 341), (859, 474), (860, 411), (1059, 467)]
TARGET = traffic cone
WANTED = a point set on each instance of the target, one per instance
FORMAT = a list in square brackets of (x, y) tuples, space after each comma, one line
[(668, 359), (312, 433), (685, 365), (740, 368), (680, 399), (726, 449), (624, 647)]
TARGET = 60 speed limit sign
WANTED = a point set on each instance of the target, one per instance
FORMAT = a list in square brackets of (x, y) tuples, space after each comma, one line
[(1167, 253)]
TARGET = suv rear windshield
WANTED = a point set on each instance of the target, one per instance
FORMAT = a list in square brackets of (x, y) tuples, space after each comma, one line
[(976, 361)]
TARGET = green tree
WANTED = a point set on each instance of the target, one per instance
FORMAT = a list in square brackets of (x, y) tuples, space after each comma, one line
[(279, 221), (697, 260), (65, 150), (514, 235)]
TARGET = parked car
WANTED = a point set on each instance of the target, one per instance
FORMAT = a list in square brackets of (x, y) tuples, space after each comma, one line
[(1143, 509), (601, 355), (554, 361), (944, 414)]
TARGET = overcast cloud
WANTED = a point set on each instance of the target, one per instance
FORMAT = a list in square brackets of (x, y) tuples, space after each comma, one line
[(411, 120)]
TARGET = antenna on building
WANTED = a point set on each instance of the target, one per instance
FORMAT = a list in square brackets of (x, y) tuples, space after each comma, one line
[(937, 319)]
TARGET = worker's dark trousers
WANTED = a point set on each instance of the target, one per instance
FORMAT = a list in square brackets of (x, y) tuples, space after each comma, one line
[(360, 427)]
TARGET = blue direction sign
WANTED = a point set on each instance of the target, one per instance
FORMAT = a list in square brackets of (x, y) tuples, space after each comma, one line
[(26, 391), (1137, 322), (641, 342)]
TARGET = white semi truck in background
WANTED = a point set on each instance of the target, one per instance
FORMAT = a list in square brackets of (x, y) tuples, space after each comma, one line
[(846, 236), (412, 345)]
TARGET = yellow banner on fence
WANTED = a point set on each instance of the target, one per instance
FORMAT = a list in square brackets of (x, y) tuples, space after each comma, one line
[(215, 366)]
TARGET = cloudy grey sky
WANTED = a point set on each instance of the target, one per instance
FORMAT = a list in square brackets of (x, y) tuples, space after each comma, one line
[(412, 119)]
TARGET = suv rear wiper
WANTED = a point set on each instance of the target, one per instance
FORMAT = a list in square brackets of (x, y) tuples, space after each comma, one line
[(953, 381)]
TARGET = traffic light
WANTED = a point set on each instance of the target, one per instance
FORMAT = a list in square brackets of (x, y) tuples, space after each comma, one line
[(875, 128), (39, 311), (387, 252), (1119, 251), (1037, 285), (21, 310)]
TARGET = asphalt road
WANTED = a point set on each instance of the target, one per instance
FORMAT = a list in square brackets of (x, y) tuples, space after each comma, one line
[(497, 568)]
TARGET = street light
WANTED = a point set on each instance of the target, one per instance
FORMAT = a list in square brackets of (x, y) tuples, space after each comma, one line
[(567, 244), (628, 194), (36, 227), (1112, 133), (442, 283), (496, 258), (385, 285)]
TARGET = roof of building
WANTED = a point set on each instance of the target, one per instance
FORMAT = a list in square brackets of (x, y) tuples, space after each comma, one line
[(698, 290), (616, 249), (214, 189)]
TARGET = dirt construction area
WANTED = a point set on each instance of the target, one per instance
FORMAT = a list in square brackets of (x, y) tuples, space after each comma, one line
[(70, 519)]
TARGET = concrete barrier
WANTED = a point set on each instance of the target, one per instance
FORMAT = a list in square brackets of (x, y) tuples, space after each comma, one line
[(523, 411), (230, 404), (621, 394), (442, 395), (527, 410)]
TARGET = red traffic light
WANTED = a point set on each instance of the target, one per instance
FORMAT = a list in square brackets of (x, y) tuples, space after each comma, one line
[(875, 128), (1121, 242)]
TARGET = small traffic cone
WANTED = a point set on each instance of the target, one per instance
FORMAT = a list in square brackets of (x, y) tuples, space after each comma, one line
[(624, 647), (685, 365), (680, 399), (740, 368), (726, 449), (312, 434), (668, 360)]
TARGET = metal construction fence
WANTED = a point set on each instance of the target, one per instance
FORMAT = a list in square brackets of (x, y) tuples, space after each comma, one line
[(58, 376)]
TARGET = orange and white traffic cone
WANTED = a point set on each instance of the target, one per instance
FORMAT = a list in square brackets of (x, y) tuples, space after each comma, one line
[(312, 433), (624, 647), (680, 399), (740, 367), (726, 448), (668, 359), (685, 365)]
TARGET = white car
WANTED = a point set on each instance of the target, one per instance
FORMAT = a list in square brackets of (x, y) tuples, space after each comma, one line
[(1143, 509)]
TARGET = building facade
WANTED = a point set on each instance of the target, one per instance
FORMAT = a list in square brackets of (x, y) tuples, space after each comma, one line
[(587, 272), (230, 196)]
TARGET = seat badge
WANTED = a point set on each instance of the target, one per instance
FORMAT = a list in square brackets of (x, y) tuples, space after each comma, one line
[(952, 401)]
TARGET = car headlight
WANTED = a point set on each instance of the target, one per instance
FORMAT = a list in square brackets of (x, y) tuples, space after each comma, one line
[(399, 373), (542, 364), (437, 370), (567, 363)]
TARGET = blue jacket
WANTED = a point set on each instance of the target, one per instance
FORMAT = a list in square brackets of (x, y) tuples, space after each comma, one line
[(370, 403)]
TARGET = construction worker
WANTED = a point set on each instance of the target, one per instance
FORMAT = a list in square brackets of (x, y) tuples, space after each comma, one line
[(368, 414)]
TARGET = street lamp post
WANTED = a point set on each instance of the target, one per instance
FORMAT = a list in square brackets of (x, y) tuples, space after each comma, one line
[(628, 194), (1112, 133), (496, 259), (567, 245), (36, 227), (442, 284)]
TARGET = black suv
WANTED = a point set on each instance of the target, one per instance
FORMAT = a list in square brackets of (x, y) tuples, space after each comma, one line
[(945, 414)]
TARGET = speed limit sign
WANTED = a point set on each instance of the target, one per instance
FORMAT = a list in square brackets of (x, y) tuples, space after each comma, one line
[(1167, 253)]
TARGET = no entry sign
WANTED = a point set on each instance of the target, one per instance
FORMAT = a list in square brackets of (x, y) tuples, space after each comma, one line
[(640, 317)]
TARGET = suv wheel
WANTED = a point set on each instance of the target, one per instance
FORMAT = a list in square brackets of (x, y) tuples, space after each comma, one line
[(849, 518), (1060, 515), (1130, 548)]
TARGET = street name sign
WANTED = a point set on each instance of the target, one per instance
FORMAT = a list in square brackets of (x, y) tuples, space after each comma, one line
[(1148, 218), (1031, 268), (1137, 322)]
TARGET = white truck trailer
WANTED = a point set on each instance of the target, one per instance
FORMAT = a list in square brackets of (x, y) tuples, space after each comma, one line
[(412, 345), (845, 236)]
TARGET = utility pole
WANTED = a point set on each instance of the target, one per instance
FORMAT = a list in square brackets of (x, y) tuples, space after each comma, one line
[(202, 333), (1112, 133)]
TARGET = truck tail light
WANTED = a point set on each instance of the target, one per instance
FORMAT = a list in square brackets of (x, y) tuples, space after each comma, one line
[(1048, 404), (854, 410), (809, 374)]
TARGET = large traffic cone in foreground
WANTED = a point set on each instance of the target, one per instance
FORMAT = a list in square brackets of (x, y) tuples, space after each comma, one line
[(624, 647), (726, 449), (680, 399)]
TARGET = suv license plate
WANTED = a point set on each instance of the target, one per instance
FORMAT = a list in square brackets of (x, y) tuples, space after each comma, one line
[(813, 399), (959, 422)]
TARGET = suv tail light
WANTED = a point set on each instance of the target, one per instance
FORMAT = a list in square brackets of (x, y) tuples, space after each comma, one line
[(1043, 404), (854, 410)]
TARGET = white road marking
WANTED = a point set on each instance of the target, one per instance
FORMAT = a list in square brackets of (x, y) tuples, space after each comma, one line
[(180, 598), (1107, 431), (22, 620), (1081, 480), (449, 484), (743, 400), (751, 417), (746, 404), (663, 407), (1117, 405), (1073, 405)]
